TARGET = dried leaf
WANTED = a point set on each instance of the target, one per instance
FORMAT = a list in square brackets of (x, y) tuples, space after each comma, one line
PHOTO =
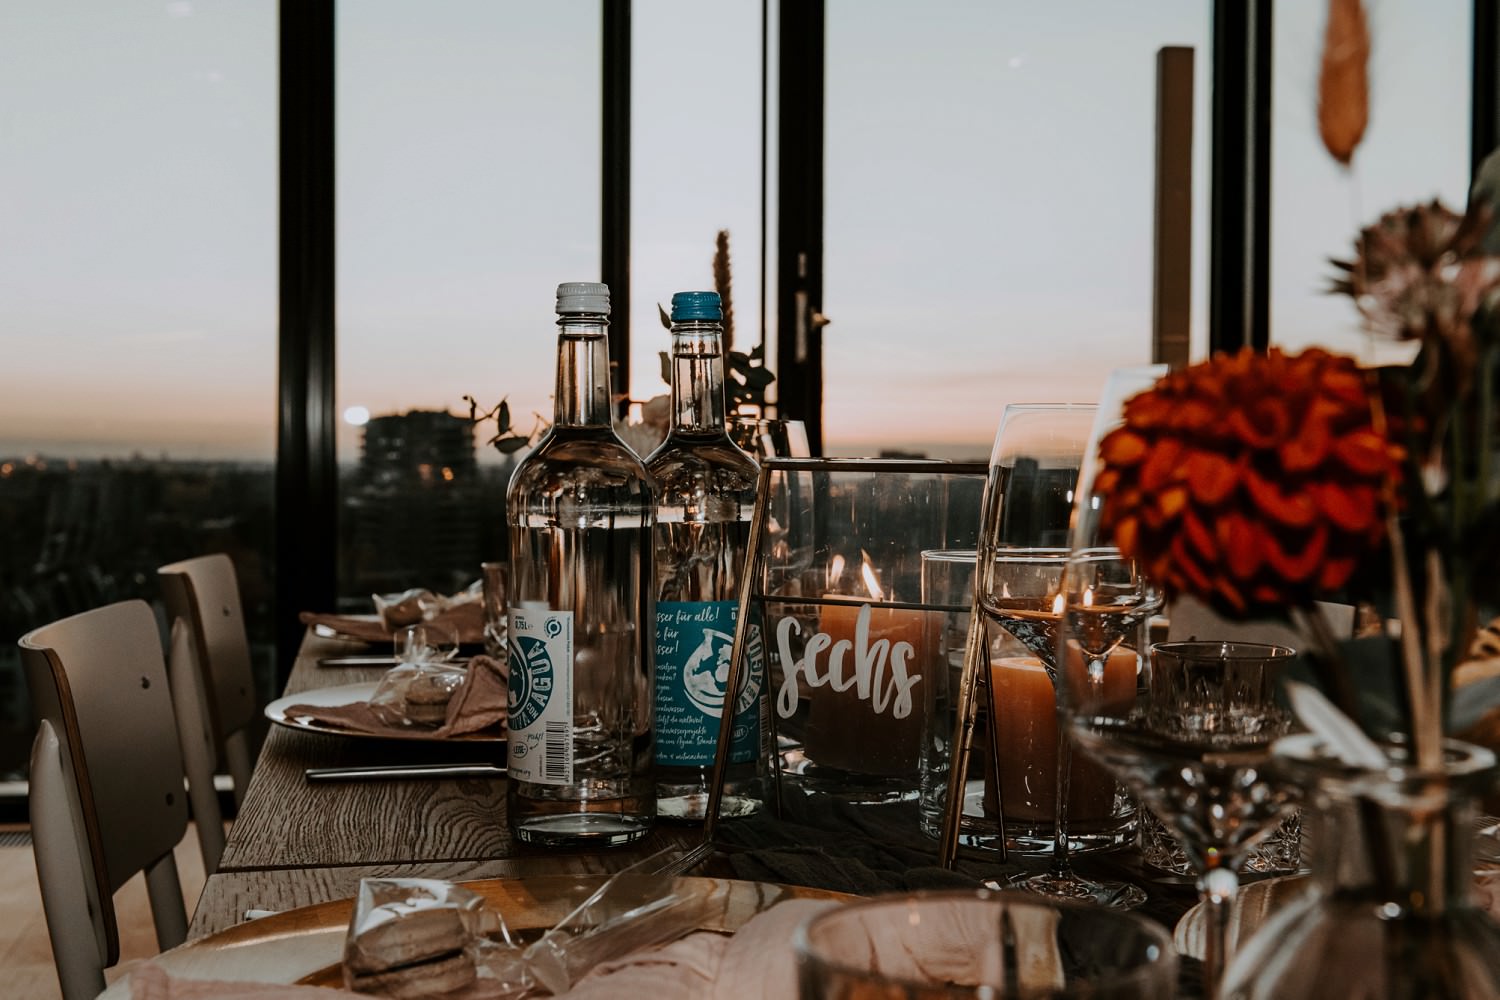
[(666, 317), (1343, 81)]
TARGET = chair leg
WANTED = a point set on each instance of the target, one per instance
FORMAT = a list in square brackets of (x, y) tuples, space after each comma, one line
[(78, 948), (167, 908), (195, 738)]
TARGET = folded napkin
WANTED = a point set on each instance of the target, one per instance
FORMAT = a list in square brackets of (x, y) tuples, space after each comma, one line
[(478, 704), (466, 620), (757, 962)]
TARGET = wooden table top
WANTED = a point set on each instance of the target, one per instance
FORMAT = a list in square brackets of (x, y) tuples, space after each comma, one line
[(297, 842)]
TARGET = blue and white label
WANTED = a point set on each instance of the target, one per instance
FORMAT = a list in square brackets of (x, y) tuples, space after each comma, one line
[(540, 700), (694, 640)]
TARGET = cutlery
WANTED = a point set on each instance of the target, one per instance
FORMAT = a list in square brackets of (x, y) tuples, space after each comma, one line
[(404, 771), (357, 661)]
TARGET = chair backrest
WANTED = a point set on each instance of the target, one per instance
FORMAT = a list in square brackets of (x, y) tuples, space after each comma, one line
[(203, 596), (107, 796)]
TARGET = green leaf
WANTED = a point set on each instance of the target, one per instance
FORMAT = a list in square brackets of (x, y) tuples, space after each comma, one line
[(506, 446)]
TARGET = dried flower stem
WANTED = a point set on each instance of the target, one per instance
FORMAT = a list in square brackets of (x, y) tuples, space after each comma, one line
[(722, 286)]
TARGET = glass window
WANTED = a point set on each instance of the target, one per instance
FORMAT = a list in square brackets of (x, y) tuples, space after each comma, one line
[(695, 167), (137, 313), (1415, 148), (468, 188), (988, 210)]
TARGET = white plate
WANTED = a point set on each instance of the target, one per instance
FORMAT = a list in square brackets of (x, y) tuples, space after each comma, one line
[(347, 694), (305, 944)]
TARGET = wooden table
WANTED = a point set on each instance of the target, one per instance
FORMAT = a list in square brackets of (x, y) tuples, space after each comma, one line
[(296, 842)]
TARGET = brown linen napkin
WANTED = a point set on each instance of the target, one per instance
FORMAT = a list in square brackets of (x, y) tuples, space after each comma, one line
[(466, 620), (478, 704), (757, 962)]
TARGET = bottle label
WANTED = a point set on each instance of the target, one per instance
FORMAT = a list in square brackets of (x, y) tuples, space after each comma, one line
[(694, 640), (540, 701)]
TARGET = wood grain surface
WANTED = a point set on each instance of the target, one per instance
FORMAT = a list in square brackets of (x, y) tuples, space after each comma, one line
[(297, 842)]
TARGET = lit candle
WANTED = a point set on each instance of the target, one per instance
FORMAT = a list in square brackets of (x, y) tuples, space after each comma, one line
[(868, 694), (1026, 732)]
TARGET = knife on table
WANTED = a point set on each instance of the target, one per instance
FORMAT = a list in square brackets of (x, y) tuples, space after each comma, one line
[(380, 771), (357, 661)]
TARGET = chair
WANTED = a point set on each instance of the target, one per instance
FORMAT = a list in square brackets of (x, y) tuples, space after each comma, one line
[(106, 792), (210, 653)]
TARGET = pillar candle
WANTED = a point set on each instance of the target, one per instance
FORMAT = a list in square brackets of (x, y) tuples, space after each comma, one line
[(1026, 707), (871, 688)]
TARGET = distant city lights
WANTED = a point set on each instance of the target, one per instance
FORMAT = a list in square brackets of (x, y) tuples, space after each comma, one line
[(357, 416)]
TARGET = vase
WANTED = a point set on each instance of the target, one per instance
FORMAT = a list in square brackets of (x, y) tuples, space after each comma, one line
[(1392, 912)]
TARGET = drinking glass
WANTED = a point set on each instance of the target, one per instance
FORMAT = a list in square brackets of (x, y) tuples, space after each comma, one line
[(951, 945), (1192, 737), (1034, 468), (428, 642), (496, 611)]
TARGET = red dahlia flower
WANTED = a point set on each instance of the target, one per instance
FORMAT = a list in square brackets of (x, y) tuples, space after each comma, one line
[(1252, 482)]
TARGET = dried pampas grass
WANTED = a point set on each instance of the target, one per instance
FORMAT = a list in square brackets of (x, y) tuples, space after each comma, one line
[(1344, 82)]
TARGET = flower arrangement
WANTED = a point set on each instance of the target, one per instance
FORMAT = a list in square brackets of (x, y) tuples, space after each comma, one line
[(1262, 482)]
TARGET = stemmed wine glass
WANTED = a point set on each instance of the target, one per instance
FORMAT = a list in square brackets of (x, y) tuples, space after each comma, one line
[(1034, 469), (1192, 735)]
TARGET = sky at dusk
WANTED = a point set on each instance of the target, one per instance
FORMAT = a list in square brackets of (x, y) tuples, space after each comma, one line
[(988, 202)]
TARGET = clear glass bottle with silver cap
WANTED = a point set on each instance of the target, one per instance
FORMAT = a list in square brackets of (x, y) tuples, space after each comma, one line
[(580, 510), (707, 498)]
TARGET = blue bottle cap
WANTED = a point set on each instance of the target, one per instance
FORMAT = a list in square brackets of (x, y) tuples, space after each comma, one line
[(696, 305), (582, 297)]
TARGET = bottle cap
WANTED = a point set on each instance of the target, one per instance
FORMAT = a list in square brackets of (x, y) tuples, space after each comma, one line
[(582, 297), (696, 305)]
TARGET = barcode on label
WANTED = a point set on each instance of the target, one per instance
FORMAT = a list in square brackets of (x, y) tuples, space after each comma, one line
[(557, 757)]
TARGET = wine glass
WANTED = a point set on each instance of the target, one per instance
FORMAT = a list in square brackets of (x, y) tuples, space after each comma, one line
[(1191, 736), (1034, 469)]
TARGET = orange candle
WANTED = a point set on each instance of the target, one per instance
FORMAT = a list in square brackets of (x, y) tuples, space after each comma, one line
[(1026, 731), (868, 675)]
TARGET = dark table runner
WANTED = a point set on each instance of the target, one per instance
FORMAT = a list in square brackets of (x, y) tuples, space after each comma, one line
[(826, 843)]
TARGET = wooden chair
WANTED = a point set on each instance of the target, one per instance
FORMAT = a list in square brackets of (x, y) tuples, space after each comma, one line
[(209, 654), (106, 791)]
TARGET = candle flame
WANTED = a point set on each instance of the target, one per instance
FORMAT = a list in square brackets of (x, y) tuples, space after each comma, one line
[(1057, 604), (868, 572), (1088, 597), (835, 570)]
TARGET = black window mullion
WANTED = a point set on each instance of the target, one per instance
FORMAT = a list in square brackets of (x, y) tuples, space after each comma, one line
[(1240, 187), (1485, 106), (306, 459), (799, 216), (614, 267)]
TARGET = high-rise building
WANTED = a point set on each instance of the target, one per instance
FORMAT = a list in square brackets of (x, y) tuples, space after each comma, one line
[(413, 509)]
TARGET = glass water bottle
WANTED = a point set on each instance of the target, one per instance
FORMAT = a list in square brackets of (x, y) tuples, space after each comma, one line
[(579, 511), (706, 500)]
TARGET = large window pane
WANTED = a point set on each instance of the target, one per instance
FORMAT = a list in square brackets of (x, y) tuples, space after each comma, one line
[(989, 198), (137, 312), (1416, 148), (468, 187), (695, 166)]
